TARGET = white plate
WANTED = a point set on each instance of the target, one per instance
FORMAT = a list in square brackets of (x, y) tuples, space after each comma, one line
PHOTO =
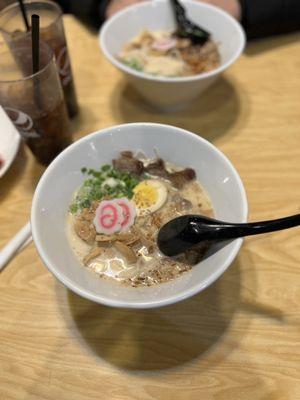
[(9, 142)]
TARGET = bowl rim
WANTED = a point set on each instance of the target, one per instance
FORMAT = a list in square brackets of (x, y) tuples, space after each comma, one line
[(174, 298), (154, 78)]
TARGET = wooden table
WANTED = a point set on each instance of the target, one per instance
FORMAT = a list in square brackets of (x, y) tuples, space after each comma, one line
[(237, 340)]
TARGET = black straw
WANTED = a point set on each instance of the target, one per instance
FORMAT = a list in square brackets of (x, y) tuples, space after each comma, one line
[(35, 42), (24, 15)]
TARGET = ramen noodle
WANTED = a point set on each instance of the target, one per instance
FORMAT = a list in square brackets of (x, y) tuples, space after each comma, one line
[(161, 53), (114, 218)]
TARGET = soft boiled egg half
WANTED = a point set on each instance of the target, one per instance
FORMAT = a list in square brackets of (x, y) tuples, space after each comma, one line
[(149, 196)]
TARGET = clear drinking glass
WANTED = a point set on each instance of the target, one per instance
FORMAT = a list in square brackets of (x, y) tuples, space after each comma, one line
[(5, 3), (51, 31), (35, 102)]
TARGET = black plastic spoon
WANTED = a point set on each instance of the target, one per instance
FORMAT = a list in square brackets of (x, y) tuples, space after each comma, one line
[(187, 28), (183, 233)]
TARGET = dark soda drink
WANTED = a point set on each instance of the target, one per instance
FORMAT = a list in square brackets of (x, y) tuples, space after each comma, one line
[(51, 31), (46, 135), (63, 64), (35, 102)]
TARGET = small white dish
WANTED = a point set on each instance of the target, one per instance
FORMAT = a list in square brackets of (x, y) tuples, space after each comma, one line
[(9, 142), (171, 93), (60, 180)]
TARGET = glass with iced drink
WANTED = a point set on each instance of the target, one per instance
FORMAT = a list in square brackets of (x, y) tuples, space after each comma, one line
[(5, 3), (51, 31), (35, 102)]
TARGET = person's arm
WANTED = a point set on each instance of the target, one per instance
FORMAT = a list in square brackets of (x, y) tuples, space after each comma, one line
[(117, 5), (93, 12), (232, 7), (259, 18), (264, 18)]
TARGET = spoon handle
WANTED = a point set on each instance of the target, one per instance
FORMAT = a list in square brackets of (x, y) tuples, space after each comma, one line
[(19, 240), (230, 231)]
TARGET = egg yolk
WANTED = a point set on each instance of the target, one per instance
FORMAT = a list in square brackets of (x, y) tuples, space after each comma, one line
[(145, 195)]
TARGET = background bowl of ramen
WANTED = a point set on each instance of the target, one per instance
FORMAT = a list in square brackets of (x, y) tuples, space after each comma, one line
[(171, 93), (60, 180)]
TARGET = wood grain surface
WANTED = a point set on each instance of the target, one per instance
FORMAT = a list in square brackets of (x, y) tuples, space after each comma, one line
[(237, 340)]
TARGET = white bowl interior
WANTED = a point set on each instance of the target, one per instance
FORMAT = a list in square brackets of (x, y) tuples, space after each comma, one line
[(158, 15), (63, 176)]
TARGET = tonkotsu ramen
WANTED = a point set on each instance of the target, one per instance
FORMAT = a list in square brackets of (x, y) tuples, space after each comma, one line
[(114, 218)]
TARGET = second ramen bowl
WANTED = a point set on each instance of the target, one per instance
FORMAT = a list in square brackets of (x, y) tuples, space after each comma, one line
[(171, 93)]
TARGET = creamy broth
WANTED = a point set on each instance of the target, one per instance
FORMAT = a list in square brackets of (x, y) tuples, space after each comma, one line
[(150, 266), (161, 53)]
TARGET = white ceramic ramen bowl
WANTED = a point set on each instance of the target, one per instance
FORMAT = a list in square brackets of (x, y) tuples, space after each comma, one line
[(171, 93), (60, 180)]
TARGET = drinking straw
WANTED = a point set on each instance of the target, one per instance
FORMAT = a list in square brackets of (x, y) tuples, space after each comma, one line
[(35, 42), (24, 15), (35, 47)]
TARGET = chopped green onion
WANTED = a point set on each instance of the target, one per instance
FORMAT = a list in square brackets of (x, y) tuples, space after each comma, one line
[(105, 167), (93, 190), (134, 63), (73, 208)]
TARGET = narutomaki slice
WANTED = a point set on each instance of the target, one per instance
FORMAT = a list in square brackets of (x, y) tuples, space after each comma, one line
[(164, 44), (108, 217), (128, 213), (113, 216)]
